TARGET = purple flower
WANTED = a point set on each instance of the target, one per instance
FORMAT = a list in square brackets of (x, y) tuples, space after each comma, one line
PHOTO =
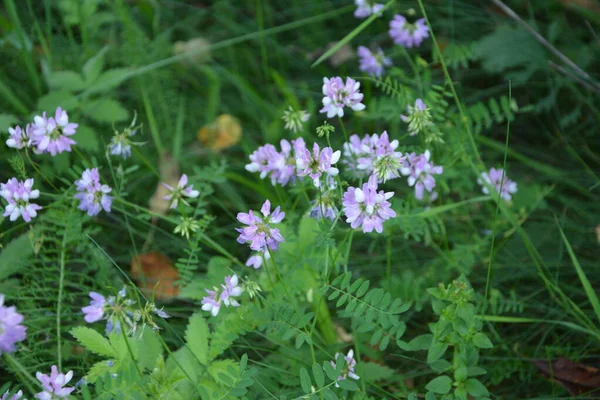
[(407, 34), (53, 384), (496, 178), (15, 396), (17, 194), (11, 330), (120, 143), (225, 295), (366, 207), (373, 63), (418, 117), (420, 173), (19, 138), (51, 135), (93, 196), (385, 161), (317, 163), (261, 160), (359, 149), (211, 302), (279, 166), (95, 311), (180, 192), (256, 260), (365, 8), (259, 233), (339, 95), (350, 363)]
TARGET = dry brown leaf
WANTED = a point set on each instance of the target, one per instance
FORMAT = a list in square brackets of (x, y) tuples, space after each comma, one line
[(152, 268), (575, 377), (225, 132), (342, 335), (169, 173)]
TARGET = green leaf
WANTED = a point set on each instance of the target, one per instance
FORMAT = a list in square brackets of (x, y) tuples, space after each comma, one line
[(412, 396), (421, 342), (87, 138), (363, 289), (305, 380), (330, 371), (384, 343), (436, 351), (151, 349), (93, 341), (430, 396), (482, 341), (110, 80), (6, 121), (318, 375), (476, 388), (15, 256), (460, 394), (347, 384), (105, 110), (224, 372), (66, 80), (94, 66), (441, 385), (57, 98), (372, 372), (196, 337), (460, 375)]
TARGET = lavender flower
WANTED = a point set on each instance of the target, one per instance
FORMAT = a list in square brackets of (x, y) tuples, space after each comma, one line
[(418, 117), (407, 34), (256, 260), (350, 363), (15, 396), (366, 207), (294, 119), (18, 194), (420, 173), (279, 166), (373, 63), (211, 302), (496, 178), (385, 161), (120, 143), (52, 135), (366, 8), (53, 384), (224, 295), (317, 163), (259, 233), (92, 195), (19, 138), (11, 330), (359, 149), (180, 192), (95, 311), (339, 95)]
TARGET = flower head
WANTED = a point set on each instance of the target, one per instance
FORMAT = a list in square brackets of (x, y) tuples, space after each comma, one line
[(407, 34), (182, 190), (496, 178), (259, 233), (339, 95), (92, 195), (95, 311), (280, 166), (16, 396), (53, 384), (224, 295), (19, 138), (324, 206), (349, 364), (294, 119), (420, 173), (418, 118), (120, 143), (373, 63), (366, 207), (317, 163), (365, 8), (52, 135), (373, 154), (18, 194), (256, 260), (11, 330)]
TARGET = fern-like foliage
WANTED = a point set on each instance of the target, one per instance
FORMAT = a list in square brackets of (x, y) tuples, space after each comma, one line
[(484, 115), (18, 165), (188, 265), (390, 86), (415, 226)]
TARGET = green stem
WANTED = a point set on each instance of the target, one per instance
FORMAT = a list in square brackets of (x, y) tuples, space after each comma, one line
[(137, 367), (61, 280), (10, 359), (39, 172)]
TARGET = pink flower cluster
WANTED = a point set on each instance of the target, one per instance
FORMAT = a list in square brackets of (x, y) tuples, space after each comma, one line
[(420, 171), (259, 233), (497, 179), (18, 195), (11, 330), (406, 34), (280, 166), (54, 384), (373, 154), (226, 295), (92, 195), (368, 208), (339, 95)]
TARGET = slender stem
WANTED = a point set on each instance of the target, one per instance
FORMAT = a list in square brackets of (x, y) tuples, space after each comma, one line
[(145, 161), (162, 341), (348, 250), (35, 167), (10, 359), (344, 130), (61, 280), (137, 367)]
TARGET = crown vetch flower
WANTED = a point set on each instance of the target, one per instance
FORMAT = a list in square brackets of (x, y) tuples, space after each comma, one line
[(211, 302), (365, 8), (53, 384), (279, 166), (92, 195), (406, 34), (182, 190), (418, 117), (497, 179), (18, 194), (359, 149), (294, 120), (317, 163), (373, 63), (366, 207), (11, 330), (225, 295), (259, 233), (420, 171), (95, 311), (339, 95), (256, 260), (52, 135), (350, 363), (19, 138), (385, 161), (120, 143), (15, 396)]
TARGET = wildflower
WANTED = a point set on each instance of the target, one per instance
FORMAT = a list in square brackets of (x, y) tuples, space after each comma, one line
[(187, 226), (53, 384), (52, 135), (11, 330), (294, 119), (256, 260), (95, 311), (386, 161), (373, 63), (19, 138), (283, 165), (325, 129), (18, 194), (323, 207), (366, 207), (365, 8), (15, 396), (259, 232), (93, 196), (252, 288), (180, 191), (339, 95), (418, 117), (224, 295), (261, 160), (496, 178), (420, 173), (120, 143), (407, 34), (357, 149), (348, 370), (317, 163), (158, 311)]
